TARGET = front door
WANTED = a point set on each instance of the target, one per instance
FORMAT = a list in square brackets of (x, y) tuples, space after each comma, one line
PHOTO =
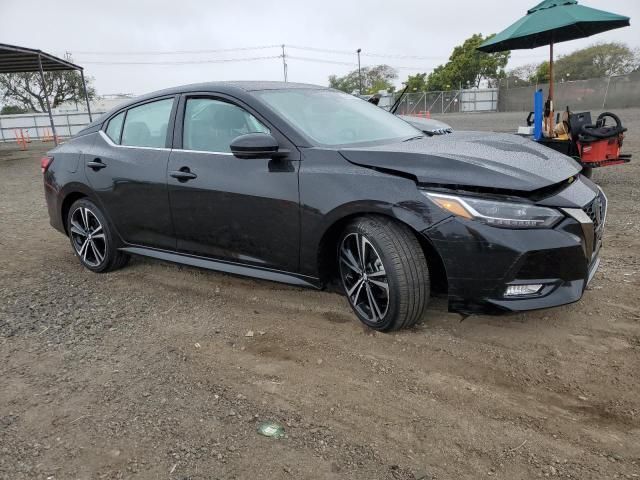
[(244, 211)]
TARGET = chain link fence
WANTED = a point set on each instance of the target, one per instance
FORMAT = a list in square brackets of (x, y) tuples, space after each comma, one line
[(451, 101), (621, 91), (615, 92)]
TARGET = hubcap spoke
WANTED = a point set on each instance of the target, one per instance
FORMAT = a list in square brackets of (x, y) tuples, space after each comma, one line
[(379, 273), (373, 305), (96, 252), (83, 250), (355, 285), (382, 285), (85, 229), (364, 277), (77, 230), (362, 248), (80, 228), (349, 261), (85, 218), (358, 251), (357, 294)]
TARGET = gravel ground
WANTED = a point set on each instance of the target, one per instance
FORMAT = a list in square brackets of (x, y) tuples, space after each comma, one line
[(163, 371)]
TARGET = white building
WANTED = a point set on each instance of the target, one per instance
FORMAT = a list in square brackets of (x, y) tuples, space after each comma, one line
[(103, 103)]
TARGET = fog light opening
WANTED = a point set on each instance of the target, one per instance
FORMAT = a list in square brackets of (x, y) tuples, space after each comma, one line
[(520, 290)]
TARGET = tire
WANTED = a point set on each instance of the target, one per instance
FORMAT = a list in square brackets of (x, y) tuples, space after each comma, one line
[(587, 172), (92, 238), (392, 255)]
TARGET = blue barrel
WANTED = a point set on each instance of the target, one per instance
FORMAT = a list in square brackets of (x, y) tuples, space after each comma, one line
[(537, 114)]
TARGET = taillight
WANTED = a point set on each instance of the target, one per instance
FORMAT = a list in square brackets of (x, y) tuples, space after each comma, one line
[(45, 162)]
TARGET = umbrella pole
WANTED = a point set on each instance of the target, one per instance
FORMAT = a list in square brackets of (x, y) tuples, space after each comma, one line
[(551, 119)]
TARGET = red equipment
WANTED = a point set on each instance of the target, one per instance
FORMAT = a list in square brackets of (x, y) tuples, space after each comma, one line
[(599, 145), (591, 145)]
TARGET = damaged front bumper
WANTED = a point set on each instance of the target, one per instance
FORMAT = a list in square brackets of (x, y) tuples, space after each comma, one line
[(482, 261)]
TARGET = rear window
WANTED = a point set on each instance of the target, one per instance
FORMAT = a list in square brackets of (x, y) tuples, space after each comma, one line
[(146, 125), (114, 129)]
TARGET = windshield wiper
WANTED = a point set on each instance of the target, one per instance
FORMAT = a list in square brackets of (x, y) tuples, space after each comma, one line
[(396, 104)]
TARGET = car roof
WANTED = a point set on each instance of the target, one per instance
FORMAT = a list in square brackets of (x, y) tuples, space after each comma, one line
[(227, 87), (245, 85)]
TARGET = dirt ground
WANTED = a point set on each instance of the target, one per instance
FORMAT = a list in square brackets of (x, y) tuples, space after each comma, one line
[(148, 372)]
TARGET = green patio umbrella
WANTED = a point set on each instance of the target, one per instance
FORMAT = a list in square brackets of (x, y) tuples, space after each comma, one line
[(553, 21)]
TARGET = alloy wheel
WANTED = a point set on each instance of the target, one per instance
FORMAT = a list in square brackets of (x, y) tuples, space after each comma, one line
[(88, 236), (364, 277)]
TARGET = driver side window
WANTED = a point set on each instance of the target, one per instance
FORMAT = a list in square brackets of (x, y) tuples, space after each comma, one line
[(211, 125)]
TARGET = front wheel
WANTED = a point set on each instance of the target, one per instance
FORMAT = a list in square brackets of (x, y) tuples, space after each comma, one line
[(384, 273)]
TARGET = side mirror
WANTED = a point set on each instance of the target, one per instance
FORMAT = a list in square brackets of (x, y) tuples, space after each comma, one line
[(254, 145)]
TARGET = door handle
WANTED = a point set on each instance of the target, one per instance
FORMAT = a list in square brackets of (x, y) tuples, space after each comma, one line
[(183, 174), (96, 164)]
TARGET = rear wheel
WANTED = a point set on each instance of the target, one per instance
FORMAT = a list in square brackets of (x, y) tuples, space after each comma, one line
[(92, 238), (384, 273)]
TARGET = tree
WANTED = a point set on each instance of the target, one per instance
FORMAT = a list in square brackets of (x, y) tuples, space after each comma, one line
[(467, 66), (526, 73), (440, 79), (374, 79), (12, 110), (24, 90), (542, 73), (595, 61), (416, 83), (599, 60)]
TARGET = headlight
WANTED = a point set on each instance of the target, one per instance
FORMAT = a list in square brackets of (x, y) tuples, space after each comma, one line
[(497, 213)]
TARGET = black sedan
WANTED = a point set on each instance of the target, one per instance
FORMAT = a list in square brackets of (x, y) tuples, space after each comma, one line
[(304, 184)]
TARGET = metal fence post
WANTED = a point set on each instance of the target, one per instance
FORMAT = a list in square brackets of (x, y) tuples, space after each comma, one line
[(86, 94), (606, 92), (1, 131), (46, 97)]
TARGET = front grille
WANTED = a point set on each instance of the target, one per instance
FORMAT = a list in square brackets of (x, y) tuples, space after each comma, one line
[(597, 212)]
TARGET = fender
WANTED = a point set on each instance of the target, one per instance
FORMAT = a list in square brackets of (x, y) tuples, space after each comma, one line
[(78, 187), (333, 190)]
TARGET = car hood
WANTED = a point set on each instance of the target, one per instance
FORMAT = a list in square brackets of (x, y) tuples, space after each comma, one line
[(477, 159)]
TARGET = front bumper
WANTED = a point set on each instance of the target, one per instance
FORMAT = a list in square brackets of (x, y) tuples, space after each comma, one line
[(482, 261)]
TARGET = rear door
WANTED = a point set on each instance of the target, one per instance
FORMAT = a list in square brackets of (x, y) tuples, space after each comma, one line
[(127, 169), (244, 211)]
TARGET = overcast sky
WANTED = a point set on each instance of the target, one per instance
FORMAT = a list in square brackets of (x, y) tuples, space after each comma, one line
[(411, 28)]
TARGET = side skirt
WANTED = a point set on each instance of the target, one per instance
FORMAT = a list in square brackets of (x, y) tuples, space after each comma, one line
[(227, 267)]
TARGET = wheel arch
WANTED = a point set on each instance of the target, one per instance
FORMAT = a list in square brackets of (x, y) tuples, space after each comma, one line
[(70, 194), (328, 265), (69, 200)]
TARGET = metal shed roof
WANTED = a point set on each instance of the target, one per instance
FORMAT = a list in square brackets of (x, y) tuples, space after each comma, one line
[(20, 59)]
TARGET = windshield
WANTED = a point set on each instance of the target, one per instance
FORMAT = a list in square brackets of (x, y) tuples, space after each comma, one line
[(331, 118)]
